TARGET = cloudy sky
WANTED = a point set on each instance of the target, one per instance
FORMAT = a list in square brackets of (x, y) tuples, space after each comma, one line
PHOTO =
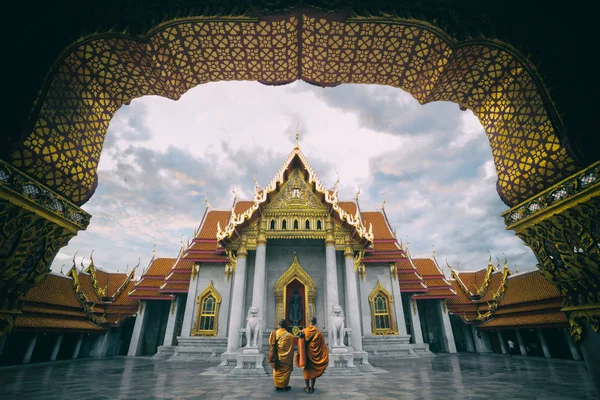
[(161, 158)]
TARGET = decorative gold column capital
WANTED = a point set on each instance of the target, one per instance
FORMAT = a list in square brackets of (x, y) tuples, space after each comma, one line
[(261, 238), (348, 252), (242, 251), (329, 238)]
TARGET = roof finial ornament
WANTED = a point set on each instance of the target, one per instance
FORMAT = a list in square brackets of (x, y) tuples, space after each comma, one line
[(383, 204), (81, 263), (516, 269), (358, 192), (206, 201), (181, 240), (61, 269), (297, 146), (433, 251), (234, 194), (154, 250), (127, 268)]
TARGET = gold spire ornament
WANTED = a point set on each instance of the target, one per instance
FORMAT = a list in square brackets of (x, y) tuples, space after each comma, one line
[(383, 204), (61, 269), (516, 269), (297, 146), (358, 192)]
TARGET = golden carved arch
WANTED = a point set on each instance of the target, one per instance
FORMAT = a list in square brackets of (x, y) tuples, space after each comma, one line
[(295, 271), (196, 330), (392, 329), (95, 76)]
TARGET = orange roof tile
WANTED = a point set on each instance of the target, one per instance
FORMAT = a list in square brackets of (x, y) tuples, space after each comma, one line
[(37, 322), (349, 207), (209, 225), (412, 286), (160, 267), (529, 320), (52, 310), (240, 207), (405, 265), (380, 226), (529, 286), (55, 290), (183, 265), (426, 267), (176, 287), (123, 299), (203, 246)]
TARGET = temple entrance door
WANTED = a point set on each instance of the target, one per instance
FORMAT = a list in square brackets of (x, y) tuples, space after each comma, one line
[(296, 304), (296, 292)]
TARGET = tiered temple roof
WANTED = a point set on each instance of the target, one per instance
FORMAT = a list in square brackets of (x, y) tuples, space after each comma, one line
[(493, 299), (149, 285), (79, 302), (433, 279)]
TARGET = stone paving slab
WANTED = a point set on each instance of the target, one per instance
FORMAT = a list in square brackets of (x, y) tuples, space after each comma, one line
[(464, 376)]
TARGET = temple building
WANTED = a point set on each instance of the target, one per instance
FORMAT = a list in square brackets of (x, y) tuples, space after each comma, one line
[(85, 313), (293, 252)]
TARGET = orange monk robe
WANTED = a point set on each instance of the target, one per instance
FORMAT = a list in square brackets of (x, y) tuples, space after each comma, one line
[(285, 354), (317, 353)]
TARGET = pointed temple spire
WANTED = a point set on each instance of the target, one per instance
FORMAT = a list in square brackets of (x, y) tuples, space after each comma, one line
[(297, 146), (358, 192)]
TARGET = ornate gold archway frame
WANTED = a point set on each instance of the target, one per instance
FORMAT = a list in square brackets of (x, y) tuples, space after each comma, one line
[(213, 332), (393, 327), (295, 271)]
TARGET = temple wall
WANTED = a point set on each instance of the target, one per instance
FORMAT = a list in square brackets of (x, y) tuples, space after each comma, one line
[(375, 272), (214, 272)]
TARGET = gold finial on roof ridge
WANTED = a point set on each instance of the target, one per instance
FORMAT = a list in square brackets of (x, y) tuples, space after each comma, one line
[(383, 204), (297, 146), (516, 269), (154, 250), (81, 263), (433, 251), (358, 192), (206, 201), (74, 264), (61, 269)]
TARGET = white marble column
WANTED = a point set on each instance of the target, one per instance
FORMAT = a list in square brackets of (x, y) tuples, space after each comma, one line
[(331, 280), (237, 301), (469, 338), (479, 345), (77, 346), (448, 334), (398, 309), (260, 275), (3, 340), (415, 326), (30, 349), (543, 342), (502, 343), (188, 316), (172, 322), (99, 345), (56, 348), (521, 343), (572, 346), (135, 346), (353, 308)]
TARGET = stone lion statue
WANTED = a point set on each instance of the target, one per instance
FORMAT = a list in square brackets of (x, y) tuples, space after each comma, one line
[(253, 328), (337, 326)]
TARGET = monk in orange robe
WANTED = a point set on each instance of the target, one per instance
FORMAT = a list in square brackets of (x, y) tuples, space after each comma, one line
[(317, 355), (285, 355)]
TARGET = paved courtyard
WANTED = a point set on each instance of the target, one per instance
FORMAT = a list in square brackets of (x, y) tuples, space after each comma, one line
[(462, 376)]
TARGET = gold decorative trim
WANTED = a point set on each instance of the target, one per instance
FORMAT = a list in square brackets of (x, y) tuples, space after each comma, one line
[(261, 196), (591, 314), (210, 290), (27, 193), (393, 330), (295, 271), (91, 269), (559, 197)]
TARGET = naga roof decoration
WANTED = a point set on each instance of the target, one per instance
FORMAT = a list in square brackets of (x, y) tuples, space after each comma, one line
[(261, 196), (100, 292)]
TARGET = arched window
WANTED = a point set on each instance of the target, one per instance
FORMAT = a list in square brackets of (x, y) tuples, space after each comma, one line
[(307, 225), (319, 227), (207, 314), (272, 224), (284, 224), (295, 224), (382, 317)]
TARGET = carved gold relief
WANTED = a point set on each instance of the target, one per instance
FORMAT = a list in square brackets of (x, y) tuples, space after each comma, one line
[(565, 238)]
